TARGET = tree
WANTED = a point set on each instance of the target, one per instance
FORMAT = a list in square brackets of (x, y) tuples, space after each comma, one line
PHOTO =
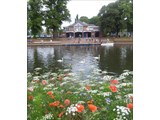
[(77, 17), (84, 19), (110, 19), (94, 20), (34, 17), (56, 11), (116, 16), (126, 8)]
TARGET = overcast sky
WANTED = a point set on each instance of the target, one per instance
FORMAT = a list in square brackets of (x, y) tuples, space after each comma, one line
[(87, 8)]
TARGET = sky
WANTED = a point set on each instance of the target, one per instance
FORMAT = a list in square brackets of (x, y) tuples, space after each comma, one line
[(87, 8)]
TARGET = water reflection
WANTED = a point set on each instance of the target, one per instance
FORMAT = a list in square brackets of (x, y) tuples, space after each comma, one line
[(81, 59)]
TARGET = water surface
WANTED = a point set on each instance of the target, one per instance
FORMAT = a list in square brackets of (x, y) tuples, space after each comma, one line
[(81, 59)]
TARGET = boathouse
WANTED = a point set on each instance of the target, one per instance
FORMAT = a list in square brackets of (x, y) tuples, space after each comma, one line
[(81, 29)]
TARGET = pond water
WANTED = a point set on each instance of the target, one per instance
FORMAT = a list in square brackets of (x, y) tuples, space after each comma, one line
[(81, 59)]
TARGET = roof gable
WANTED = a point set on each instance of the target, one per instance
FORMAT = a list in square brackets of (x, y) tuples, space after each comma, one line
[(78, 24)]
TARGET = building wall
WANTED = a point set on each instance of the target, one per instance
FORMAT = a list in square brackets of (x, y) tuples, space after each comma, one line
[(85, 28), (71, 28)]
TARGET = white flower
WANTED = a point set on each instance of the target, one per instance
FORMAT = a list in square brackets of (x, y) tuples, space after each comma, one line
[(63, 83), (55, 88), (47, 116), (36, 78), (29, 75), (37, 69), (101, 88), (71, 109), (50, 85), (75, 92), (46, 88), (66, 70), (107, 77), (92, 91), (107, 94), (66, 78), (100, 82), (30, 88), (123, 114), (117, 106), (118, 112), (81, 102), (118, 97)]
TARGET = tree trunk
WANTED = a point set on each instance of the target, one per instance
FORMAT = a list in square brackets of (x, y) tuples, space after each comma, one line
[(52, 34), (117, 32)]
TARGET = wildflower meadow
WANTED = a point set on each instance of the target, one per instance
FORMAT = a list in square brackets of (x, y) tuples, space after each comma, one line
[(60, 96)]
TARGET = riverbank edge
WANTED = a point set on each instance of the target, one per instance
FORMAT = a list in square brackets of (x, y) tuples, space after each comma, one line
[(66, 42)]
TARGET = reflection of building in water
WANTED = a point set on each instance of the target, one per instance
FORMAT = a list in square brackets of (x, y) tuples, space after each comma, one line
[(44, 53), (123, 52), (81, 60), (123, 55), (81, 29)]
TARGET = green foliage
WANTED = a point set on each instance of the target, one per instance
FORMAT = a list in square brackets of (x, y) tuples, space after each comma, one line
[(84, 19), (52, 12), (116, 16), (94, 20), (34, 17), (56, 11)]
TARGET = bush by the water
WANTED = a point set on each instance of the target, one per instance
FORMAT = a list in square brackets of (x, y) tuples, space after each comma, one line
[(60, 96)]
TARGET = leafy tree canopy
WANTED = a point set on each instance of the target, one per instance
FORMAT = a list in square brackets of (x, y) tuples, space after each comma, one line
[(48, 13), (116, 16), (34, 17), (56, 12), (84, 19)]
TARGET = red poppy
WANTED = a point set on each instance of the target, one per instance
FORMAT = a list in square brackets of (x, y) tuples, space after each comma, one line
[(30, 97), (80, 108), (60, 114), (88, 87), (114, 81), (49, 93), (92, 107), (61, 106), (113, 88), (67, 102), (54, 104), (130, 105)]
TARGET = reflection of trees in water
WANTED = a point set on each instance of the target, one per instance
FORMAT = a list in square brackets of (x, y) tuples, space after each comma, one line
[(123, 55), (112, 59), (30, 56), (37, 59), (129, 58), (116, 59)]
